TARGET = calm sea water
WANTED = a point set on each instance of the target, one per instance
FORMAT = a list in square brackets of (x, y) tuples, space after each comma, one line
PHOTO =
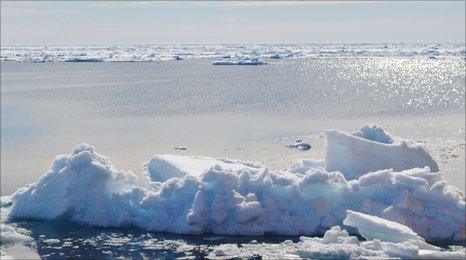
[(131, 111)]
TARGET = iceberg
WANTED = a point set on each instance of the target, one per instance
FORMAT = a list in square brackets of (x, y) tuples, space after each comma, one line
[(197, 195), (370, 149)]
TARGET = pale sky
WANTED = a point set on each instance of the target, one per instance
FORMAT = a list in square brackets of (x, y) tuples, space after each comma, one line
[(78, 23)]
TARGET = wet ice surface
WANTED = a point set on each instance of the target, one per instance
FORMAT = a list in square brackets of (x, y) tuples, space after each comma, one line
[(135, 110)]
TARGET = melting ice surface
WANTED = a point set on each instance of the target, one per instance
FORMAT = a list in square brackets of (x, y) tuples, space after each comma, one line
[(149, 53), (397, 206)]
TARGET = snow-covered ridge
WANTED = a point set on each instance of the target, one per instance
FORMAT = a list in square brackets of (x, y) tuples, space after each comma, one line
[(193, 195), (151, 53)]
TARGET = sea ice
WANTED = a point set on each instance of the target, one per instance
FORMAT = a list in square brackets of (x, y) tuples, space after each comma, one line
[(154, 53), (243, 61), (84, 59), (195, 195), (335, 244), (372, 227), (11, 234), (371, 149)]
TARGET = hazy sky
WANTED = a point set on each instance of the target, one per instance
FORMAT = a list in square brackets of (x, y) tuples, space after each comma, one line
[(48, 23)]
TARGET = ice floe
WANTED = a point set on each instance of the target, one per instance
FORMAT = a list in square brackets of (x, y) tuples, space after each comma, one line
[(398, 206), (242, 61), (152, 53), (11, 234)]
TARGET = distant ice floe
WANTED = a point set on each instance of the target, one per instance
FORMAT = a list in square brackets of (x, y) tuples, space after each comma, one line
[(197, 195), (154, 53), (242, 61), (84, 59)]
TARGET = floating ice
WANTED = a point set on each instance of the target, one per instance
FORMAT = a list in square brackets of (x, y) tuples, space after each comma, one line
[(194, 195), (52, 241), (372, 227), (371, 149), (335, 244), (84, 59), (152, 53), (275, 56), (243, 61), (11, 234)]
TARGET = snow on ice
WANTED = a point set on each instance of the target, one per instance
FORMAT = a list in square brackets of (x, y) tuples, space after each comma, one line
[(371, 149)]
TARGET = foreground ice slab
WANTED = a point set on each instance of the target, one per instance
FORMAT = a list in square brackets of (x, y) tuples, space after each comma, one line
[(372, 227), (235, 198), (370, 149)]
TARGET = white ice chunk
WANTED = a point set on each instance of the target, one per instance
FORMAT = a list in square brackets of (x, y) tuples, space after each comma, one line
[(372, 227), (335, 244), (12, 234), (371, 149)]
